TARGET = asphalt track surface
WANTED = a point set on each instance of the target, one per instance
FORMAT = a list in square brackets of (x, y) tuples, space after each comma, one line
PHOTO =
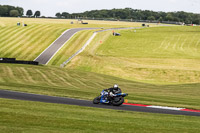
[(46, 56), (61, 100)]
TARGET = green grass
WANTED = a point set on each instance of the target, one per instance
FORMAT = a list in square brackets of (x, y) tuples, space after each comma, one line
[(55, 81), (26, 43), (155, 66), (31, 117), (159, 55), (158, 42), (142, 63)]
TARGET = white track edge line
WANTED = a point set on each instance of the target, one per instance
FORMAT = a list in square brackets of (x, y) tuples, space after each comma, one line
[(162, 107)]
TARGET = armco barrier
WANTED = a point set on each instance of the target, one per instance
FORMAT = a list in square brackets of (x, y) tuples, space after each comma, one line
[(14, 61), (7, 59)]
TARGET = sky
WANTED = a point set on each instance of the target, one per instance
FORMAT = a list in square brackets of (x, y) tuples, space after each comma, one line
[(51, 7)]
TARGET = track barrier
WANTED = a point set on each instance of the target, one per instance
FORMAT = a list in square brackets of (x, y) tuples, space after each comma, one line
[(14, 61)]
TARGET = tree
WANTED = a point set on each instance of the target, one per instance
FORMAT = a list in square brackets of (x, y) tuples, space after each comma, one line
[(29, 13), (3, 10), (37, 14), (169, 17), (20, 10), (65, 14), (58, 15), (14, 13), (151, 18), (176, 19), (160, 19)]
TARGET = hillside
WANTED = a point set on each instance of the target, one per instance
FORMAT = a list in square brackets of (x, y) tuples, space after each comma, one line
[(55, 81), (26, 43), (159, 55), (155, 66), (158, 66)]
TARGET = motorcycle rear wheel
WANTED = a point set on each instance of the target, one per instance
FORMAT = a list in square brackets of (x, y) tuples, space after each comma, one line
[(119, 102)]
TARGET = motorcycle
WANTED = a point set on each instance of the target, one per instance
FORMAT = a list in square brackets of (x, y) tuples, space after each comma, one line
[(115, 99)]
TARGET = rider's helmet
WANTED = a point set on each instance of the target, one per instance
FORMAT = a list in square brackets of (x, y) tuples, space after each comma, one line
[(115, 86)]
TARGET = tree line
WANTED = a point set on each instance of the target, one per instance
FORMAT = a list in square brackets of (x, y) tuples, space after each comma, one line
[(29, 13), (11, 11), (113, 14), (135, 14)]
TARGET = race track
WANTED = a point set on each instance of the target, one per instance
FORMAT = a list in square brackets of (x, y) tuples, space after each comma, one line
[(46, 56), (48, 53), (70, 101)]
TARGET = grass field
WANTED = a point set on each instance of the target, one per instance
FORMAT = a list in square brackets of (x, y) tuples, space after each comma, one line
[(31, 117), (160, 55), (28, 42), (149, 64), (55, 81), (155, 66)]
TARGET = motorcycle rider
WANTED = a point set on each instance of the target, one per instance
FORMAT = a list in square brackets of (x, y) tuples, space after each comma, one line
[(112, 91)]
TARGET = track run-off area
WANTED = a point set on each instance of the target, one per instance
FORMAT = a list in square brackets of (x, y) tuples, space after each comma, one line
[(126, 106)]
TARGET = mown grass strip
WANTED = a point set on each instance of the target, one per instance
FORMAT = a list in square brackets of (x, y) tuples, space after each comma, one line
[(21, 116), (5, 31), (15, 35), (32, 44), (17, 45)]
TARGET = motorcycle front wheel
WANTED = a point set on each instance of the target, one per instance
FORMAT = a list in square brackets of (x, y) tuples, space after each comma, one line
[(96, 100)]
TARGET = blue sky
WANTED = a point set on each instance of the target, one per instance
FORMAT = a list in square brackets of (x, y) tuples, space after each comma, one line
[(51, 7)]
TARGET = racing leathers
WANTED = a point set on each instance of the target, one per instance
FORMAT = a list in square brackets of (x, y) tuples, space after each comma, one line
[(112, 91)]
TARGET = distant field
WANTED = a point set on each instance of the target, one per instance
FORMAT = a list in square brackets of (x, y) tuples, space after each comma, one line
[(31, 117), (28, 42), (160, 55), (55, 81)]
